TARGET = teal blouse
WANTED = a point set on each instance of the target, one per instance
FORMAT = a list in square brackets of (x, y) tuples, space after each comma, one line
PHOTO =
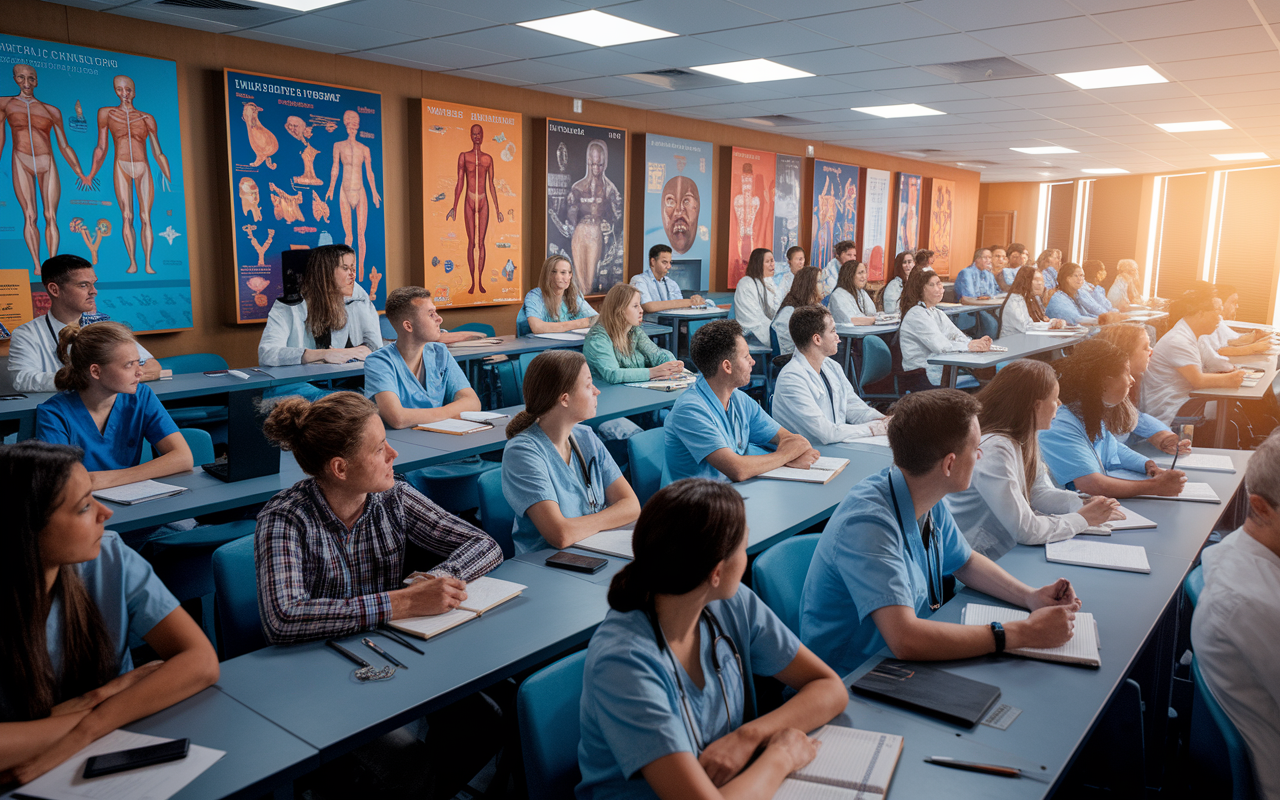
[(610, 366)]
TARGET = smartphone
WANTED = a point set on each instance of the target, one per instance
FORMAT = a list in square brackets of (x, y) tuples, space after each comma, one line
[(577, 563), (213, 373), (14, 396), (121, 760)]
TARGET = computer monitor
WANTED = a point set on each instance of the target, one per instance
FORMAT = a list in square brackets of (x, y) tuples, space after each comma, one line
[(293, 265), (691, 275)]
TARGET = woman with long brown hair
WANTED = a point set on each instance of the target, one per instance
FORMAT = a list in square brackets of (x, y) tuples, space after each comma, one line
[(755, 301), (806, 290), (903, 263), (617, 348), (1072, 303), (1023, 305), (927, 331), (335, 322), (556, 304), (1134, 341), (1045, 264), (850, 302)]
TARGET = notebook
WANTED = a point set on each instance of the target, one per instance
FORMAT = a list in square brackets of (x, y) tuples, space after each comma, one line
[(851, 764), (1192, 492), (483, 594), (1203, 461), (481, 416), (455, 427), (821, 471), (562, 337), (139, 492), (1132, 521), (1081, 649), (930, 690), (1124, 557), (668, 384), (610, 543)]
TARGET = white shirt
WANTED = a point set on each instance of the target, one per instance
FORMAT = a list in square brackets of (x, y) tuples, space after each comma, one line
[(1210, 343), (286, 335), (33, 354), (653, 290), (783, 280), (1015, 318), (782, 326), (892, 293), (1164, 390), (754, 305), (926, 332), (844, 305), (1119, 291), (1235, 634), (802, 403), (994, 514)]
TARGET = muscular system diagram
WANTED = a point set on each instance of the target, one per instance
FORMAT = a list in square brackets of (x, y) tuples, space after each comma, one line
[(319, 208), (593, 208), (302, 132), (475, 172), (262, 141), (354, 161)]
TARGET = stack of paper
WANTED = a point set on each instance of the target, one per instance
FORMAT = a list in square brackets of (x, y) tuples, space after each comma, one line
[(156, 782), (821, 471), (1203, 461), (481, 416), (1081, 649), (1191, 492), (1125, 557), (610, 543), (140, 492)]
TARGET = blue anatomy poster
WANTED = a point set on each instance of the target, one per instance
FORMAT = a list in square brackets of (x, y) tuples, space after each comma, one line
[(678, 194), (306, 170)]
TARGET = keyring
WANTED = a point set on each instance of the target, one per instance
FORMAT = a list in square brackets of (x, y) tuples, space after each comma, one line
[(371, 674)]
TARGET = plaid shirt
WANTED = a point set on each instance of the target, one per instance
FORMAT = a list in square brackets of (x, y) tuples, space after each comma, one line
[(317, 579)]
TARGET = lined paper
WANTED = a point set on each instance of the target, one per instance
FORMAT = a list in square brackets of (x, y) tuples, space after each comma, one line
[(1082, 648), (1204, 461), (1192, 492), (1126, 557), (852, 758)]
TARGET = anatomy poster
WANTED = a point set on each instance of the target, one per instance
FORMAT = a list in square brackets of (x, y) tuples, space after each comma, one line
[(473, 200), (751, 187), (940, 225), (835, 208), (875, 223), (92, 149), (908, 213), (306, 170), (786, 206), (586, 191), (678, 194)]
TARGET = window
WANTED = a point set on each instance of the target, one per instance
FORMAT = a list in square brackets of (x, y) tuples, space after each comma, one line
[(1054, 228)]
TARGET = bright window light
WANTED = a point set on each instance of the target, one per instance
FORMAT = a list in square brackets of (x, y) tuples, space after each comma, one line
[(597, 28), (1187, 127), (1043, 151), (301, 5), (1107, 78), (755, 70), (894, 112), (1106, 171), (1240, 156)]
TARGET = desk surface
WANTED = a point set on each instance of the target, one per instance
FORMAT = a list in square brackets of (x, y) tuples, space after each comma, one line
[(1263, 361), (1020, 346)]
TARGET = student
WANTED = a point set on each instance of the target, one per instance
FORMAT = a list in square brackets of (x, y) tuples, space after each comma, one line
[(557, 475), (713, 428), (1176, 368), (1217, 348), (1126, 289), (617, 348), (795, 262), (1022, 306), (678, 609), (850, 302), (1017, 257), (903, 263), (1235, 631), (1071, 303), (844, 252), (812, 396), (1092, 294), (975, 283), (1134, 341), (880, 564), (658, 292), (103, 409), (1046, 266), (805, 290), (755, 301), (924, 258), (1011, 500), (1000, 263), (334, 322), (1083, 443), (926, 331), (71, 285), (556, 304)]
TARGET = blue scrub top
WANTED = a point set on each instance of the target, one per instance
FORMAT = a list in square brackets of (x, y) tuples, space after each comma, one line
[(871, 555), (1069, 454), (698, 426), (1050, 277), (631, 714), (386, 371), (535, 307), (1061, 306), (63, 419), (974, 282)]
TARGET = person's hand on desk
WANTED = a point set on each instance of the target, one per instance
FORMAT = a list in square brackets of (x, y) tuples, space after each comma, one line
[(90, 700), (1166, 482), (427, 596), (667, 370), (982, 345), (727, 756), (1056, 324), (696, 301), (1101, 509), (1232, 380), (1048, 626), (1169, 442), (799, 453), (879, 427), (862, 320), (338, 355)]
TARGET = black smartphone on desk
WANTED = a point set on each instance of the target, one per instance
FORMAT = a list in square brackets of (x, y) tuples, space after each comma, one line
[(14, 396), (122, 760), (577, 563)]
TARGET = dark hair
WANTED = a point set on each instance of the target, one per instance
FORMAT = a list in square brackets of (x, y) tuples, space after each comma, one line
[(1042, 260), (400, 302), (899, 271), (713, 344), (929, 425), (326, 309), (1066, 271), (1016, 247), (1022, 288), (683, 533), (1192, 301), (1080, 382), (321, 430), (657, 250), (807, 322), (755, 263), (793, 249), (922, 257), (94, 344), (1224, 290), (843, 246), (803, 288), (913, 290), (34, 476), (55, 270), (550, 374), (978, 253), (994, 247), (1091, 269), (1008, 408)]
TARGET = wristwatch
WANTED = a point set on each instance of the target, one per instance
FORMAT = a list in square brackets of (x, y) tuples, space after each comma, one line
[(998, 630)]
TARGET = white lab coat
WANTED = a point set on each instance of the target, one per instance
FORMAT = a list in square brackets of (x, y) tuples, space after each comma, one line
[(286, 335), (782, 326), (33, 354), (844, 305), (1210, 343), (892, 293), (926, 332), (754, 305), (802, 405)]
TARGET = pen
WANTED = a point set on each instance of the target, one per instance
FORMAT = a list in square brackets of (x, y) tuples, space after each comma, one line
[(369, 644), (347, 654), (386, 631), (972, 766)]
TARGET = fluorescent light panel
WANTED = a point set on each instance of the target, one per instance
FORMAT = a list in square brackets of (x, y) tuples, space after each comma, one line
[(1043, 151), (1187, 127), (1107, 78), (1106, 171), (301, 5), (1240, 156), (755, 70), (597, 28), (896, 112)]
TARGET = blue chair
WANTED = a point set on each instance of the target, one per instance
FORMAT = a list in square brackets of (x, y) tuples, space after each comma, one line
[(478, 327), (200, 442), (547, 709), (1218, 752), (1193, 585), (646, 453), (235, 584), (388, 330), (451, 486), (194, 362), (522, 323), (778, 576), (877, 364), (496, 516), (188, 415), (183, 560)]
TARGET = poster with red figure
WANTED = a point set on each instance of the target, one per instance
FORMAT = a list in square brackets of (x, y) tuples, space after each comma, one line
[(835, 209), (752, 180)]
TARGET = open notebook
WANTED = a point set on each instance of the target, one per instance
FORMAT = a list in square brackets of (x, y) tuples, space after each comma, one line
[(851, 764), (1081, 649), (482, 595), (567, 336), (1132, 521), (1192, 492), (610, 543), (454, 427), (1203, 461), (821, 471), (1125, 557), (139, 492)]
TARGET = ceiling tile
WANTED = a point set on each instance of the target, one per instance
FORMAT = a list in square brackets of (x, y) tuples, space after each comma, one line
[(839, 61), (1249, 83), (806, 87), (95, 5), (1079, 59), (1130, 94), (1018, 87), (516, 42), (1187, 107), (796, 9), (741, 92), (401, 61), (529, 72), (507, 11), (993, 13), (932, 95), (420, 21), (1223, 66), (434, 51), (936, 50), (1040, 37), (1175, 19), (1208, 44), (153, 15), (605, 87), (984, 107), (681, 51), (604, 61), (682, 16), (340, 35), (791, 105), (899, 78), (767, 41), (881, 24), (1053, 100)]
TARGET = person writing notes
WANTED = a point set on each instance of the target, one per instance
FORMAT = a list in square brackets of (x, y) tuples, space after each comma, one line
[(850, 303), (617, 348), (1136, 342), (658, 292), (880, 564), (926, 331), (655, 720), (1022, 306), (805, 290), (556, 304), (976, 284), (755, 301)]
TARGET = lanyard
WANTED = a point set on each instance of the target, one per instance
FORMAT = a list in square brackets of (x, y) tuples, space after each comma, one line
[(52, 335), (930, 553), (666, 293), (831, 395)]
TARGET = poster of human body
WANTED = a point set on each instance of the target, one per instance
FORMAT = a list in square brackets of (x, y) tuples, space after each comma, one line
[(908, 212), (678, 200), (875, 223), (786, 205), (95, 169), (473, 200), (314, 151), (940, 225), (751, 197), (835, 208), (586, 191)]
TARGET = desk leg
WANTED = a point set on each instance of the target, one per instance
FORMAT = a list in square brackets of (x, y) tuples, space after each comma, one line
[(1220, 425), (950, 376)]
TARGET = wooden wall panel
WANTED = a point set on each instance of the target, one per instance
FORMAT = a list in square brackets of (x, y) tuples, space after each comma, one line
[(1021, 198), (1114, 228)]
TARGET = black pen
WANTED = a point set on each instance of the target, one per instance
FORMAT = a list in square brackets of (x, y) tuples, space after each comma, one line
[(973, 766), (386, 631), (347, 654), (369, 644)]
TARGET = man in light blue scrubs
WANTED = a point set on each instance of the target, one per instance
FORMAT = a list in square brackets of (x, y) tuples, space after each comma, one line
[(657, 291), (880, 566), (715, 431)]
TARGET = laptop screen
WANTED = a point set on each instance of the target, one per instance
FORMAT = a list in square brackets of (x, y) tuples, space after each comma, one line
[(690, 275)]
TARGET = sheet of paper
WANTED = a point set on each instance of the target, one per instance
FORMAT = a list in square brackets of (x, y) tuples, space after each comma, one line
[(562, 337), (1191, 491), (481, 416), (454, 425), (853, 758), (685, 312), (485, 592), (1203, 461), (878, 441), (610, 543), (796, 474), (1132, 521), (141, 490), (1083, 644), (157, 782), (829, 463), (486, 342), (792, 789), (1131, 558)]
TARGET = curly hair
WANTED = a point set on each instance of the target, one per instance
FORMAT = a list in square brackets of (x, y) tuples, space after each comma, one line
[(1081, 377)]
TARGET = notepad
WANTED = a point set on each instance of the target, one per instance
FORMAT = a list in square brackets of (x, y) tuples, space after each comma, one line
[(1124, 557), (483, 594), (1192, 492), (156, 782), (997, 348), (1203, 461), (610, 543), (456, 427), (562, 337), (486, 342), (139, 492), (850, 764), (929, 690), (1081, 649), (1132, 521), (481, 416), (681, 381), (821, 471), (687, 312)]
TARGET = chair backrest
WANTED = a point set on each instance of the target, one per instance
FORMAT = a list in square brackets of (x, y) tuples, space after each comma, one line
[(388, 330), (496, 516), (200, 442), (235, 585), (1218, 751), (1193, 585), (646, 452), (522, 323), (547, 710), (194, 362), (877, 361), (478, 327), (778, 576)]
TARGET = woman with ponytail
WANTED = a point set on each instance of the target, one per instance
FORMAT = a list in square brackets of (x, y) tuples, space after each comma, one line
[(679, 610), (556, 473), (76, 599)]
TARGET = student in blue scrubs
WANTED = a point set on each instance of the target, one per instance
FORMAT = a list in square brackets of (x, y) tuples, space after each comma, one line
[(880, 566), (666, 693), (103, 409), (556, 304), (556, 473), (716, 431), (76, 601)]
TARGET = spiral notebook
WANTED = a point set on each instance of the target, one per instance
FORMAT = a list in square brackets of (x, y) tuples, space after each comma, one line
[(851, 764), (483, 594), (1080, 649)]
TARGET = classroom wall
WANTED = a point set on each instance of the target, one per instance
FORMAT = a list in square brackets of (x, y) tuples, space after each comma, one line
[(200, 59), (1021, 198)]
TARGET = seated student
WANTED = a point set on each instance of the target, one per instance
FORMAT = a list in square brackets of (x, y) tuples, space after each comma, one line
[(1134, 341), (1235, 631), (70, 283), (557, 475), (926, 331), (755, 301), (1073, 303), (1016, 258), (903, 263), (1176, 367), (712, 428), (1045, 264), (975, 283), (999, 263), (678, 609), (812, 396), (1126, 289), (335, 322), (1083, 443), (850, 303), (657, 291), (77, 599), (1022, 306), (617, 348), (1011, 500), (843, 253), (1092, 293), (805, 291), (1217, 348), (556, 304), (881, 562), (795, 262), (103, 409), (924, 258)]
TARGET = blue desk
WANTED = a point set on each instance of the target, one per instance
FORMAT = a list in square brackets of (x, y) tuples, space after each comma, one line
[(675, 316), (472, 356), (1020, 345)]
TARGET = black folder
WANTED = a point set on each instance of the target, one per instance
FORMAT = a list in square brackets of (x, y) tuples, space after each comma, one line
[(933, 691)]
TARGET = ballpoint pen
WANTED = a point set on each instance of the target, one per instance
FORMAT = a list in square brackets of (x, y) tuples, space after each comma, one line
[(386, 631), (347, 654), (369, 644), (973, 766)]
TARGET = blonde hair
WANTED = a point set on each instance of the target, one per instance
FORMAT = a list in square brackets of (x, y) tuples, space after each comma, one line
[(317, 432), (612, 317), (571, 295), (94, 344)]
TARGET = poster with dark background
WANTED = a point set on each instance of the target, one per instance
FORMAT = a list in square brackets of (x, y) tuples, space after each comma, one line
[(786, 206), (586, 191)]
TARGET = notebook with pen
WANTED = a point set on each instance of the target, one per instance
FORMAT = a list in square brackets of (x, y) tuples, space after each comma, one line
[(852, 764), (483, 594), (1081, 649), (139, 492)]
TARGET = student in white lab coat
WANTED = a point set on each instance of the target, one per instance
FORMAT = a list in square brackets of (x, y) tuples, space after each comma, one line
[(926, 331), (903, 263), (755, 301), (806, 290), (1023, 305), (850, 302)]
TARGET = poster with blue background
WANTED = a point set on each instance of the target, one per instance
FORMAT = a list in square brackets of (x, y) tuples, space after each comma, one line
[(91, 164), (306, 170), (678, 201)]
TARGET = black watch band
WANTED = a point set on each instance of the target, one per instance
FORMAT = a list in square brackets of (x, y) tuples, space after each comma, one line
[(998, 630)]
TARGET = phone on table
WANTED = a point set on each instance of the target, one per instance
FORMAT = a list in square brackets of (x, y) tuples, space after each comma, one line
[(14, 396), (122, 760), (213, 373), (577, 563)]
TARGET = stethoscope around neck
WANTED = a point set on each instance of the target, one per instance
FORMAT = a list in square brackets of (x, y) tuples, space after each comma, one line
[(932, 560), (686, 710)]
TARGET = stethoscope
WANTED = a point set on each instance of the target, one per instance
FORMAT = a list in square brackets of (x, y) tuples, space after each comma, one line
[(717, 635), (933, 574), (733, 430), (586, 467)]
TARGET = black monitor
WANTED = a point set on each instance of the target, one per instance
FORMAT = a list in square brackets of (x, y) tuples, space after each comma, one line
[(690, 275), (293, 265)]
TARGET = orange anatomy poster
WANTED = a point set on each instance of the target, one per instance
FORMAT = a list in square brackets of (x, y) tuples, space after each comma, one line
[(15, 300), (473, 204), (940, 225), (751, 185)]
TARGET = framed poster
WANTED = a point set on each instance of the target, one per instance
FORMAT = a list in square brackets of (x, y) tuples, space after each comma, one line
[(473, 201), (679, 192), (908, 212), (940, 225), (835, 209), (751, 188), (94, 156), (875, 224), (305, 163), (786, 206), (586, 195)]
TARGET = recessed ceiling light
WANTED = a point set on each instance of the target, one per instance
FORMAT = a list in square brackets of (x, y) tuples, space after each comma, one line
[(1043, 151), (755, 70), (301, 5), (1202, 125), (1106, 171), (1240, 156), (913, 153), (972, 166), (1107, 78), (597, 28), (895, 112)]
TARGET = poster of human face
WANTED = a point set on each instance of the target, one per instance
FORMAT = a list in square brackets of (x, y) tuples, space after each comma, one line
[(786, 206), (678, 194), (473, 201), (875, 223), (95, 170), (306, 170), (586, 187), (751, 196), (908, 213), (835, 209), (940, 225)]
